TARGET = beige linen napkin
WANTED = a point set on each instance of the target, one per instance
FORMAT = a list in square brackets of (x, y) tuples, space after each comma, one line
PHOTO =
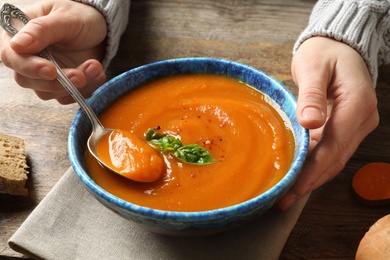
[(70, 224)]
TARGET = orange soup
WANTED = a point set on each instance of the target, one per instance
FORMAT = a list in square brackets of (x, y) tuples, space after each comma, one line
[(253, 146)]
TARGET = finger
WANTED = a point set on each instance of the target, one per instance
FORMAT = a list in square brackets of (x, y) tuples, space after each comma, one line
[(87, 73), (50, 86), (40, 33), (320, 167), (30, 66), (316, 134), (94, 76), (311, 112), (333, 151), (87, 78), (312, 77)]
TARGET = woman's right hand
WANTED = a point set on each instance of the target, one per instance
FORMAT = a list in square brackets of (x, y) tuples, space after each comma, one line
[(75, 34)]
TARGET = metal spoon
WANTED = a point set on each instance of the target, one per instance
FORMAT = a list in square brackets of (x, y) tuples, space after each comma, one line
[(8, 14)]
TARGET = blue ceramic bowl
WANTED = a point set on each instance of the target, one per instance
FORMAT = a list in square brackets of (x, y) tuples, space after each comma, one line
[(187, 223)]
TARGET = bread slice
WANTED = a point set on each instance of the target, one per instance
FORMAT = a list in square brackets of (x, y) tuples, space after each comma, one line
[(13, 166), (376, 242)]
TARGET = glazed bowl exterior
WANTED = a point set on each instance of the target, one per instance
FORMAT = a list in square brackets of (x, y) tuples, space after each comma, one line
[(187, 223)]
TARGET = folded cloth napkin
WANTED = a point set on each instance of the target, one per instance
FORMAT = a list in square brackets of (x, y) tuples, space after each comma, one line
[(70, 224)]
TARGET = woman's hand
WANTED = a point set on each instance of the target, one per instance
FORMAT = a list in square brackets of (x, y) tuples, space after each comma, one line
[(75, 34), (337, 102)]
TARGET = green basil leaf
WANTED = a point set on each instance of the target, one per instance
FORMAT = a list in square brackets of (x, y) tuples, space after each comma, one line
[(194, 154), (166, 143), (190, 153), (151, 134)]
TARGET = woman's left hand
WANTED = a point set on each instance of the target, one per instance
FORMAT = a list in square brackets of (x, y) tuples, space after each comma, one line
[(337, 102)]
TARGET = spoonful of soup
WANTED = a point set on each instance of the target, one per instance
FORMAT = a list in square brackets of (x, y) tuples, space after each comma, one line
[(120, 151)]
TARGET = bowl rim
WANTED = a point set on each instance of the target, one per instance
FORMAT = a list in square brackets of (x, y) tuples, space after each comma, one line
[(164, 214)]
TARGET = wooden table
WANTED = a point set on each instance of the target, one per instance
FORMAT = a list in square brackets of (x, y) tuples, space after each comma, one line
[(258, 33)]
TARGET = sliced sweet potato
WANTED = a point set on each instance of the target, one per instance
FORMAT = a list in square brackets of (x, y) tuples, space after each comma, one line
[(371, 184)]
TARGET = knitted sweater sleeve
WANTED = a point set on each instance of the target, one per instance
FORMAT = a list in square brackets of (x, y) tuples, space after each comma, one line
[(362, 24), (116, 13)]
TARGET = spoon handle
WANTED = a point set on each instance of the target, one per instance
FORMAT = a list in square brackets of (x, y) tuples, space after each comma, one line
[(9, 12)]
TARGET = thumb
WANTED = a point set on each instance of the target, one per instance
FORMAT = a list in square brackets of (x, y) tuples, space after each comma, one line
[(311, 108), (39, 33), (312, 98)]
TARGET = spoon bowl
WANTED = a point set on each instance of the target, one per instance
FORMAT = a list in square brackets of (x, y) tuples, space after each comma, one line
[(98, 131)]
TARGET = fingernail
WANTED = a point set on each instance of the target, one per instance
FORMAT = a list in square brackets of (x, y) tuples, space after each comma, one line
[(45, 73), (312, 113), (22, 39), (75, 80), (92, 71)]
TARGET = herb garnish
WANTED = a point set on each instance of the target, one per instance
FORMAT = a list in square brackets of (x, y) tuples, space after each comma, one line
[(189, 153)]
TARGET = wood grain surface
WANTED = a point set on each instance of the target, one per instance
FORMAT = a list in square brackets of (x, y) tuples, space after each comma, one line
[(257, 33)]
